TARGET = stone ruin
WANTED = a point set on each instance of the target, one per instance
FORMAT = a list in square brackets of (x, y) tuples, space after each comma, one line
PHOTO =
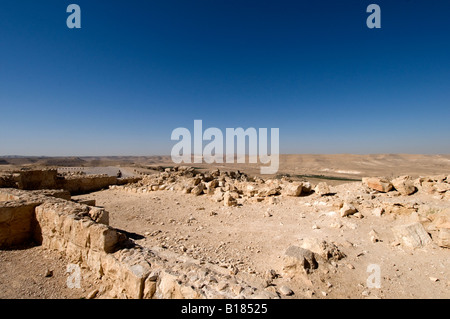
[(50, 179), (231, 188), (395, 196), (81, 233)]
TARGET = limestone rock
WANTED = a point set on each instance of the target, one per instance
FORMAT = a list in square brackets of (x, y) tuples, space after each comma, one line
[(269, 191), (378, 211), (374, 236), (412, 235), (286, 291), (441, 219), (428, 187), (441, 187), (99, 215), (92, 294), (347, 209), (322, 248), (444, 238), (322, 189), (293, 189), (229, 200), (218, 195), (149, 288), (404, 185), (198, 189), (377, 183), (306, 187), (214, 183), (297, 259), (399, 208)]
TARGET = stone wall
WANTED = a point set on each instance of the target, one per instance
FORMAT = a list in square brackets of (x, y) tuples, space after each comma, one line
[(16, 223), (49, 179), (81, 233), (86, 184), (36, 179)]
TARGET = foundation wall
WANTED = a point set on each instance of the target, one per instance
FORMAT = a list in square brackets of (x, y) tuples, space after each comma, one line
[(81, 234), (49, 179)]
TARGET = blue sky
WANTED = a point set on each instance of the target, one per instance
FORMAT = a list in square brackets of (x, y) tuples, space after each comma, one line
[(137, 70)]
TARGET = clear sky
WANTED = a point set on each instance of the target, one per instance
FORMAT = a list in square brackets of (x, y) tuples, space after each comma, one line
[(136, 70)]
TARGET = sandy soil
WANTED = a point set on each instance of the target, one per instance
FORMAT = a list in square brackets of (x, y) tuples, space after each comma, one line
[(36, 273)]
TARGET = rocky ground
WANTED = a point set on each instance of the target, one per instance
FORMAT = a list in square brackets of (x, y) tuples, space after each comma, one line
[(36, 273), (249, 227), (378, 238)]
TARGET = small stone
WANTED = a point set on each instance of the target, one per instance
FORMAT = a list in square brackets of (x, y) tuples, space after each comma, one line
[(92, 294), (222, 285), (270, 274), (378, 211), (350, 266), (285, 290), (347, 209), (297, 258), (379, 184), (404, 185), (229, 200), (236, 289), (293, 189), (444, 238), (434, 279), (358, 215), (336, 225), (374, 238), (322, 189), (48, 273)]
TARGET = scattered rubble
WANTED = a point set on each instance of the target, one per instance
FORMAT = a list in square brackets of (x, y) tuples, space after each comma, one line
[(177, 268)]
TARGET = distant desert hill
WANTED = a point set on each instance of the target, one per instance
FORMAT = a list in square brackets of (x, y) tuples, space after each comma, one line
[(352, 165), (62, 161), (346, 166)]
